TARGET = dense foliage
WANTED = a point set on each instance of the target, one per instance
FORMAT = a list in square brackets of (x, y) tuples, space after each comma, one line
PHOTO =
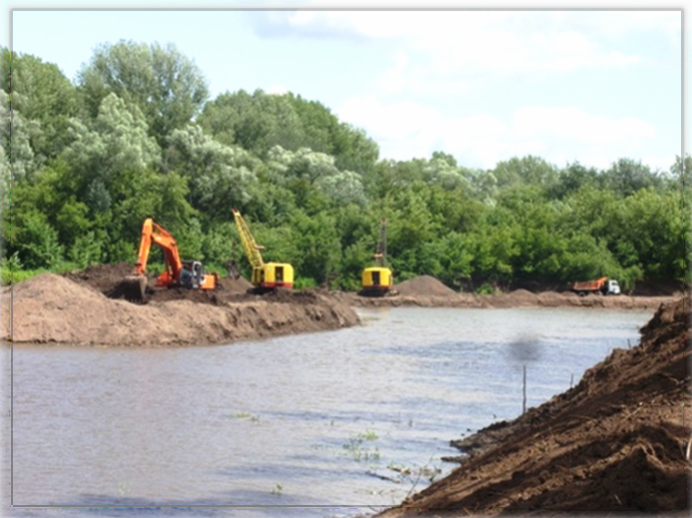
[(135, 135)]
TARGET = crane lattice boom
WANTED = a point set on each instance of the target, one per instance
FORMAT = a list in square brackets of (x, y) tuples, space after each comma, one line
[(252, 249)]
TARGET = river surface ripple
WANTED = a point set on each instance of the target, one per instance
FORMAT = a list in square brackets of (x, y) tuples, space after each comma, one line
[(333, 423)]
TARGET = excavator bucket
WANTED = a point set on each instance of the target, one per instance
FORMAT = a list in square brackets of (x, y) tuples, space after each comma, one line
[(132, 288)]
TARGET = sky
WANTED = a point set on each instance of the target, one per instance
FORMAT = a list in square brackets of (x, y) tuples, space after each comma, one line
[(587, 86)]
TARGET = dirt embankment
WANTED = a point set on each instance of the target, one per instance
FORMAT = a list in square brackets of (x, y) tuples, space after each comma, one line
[(618, 441), (426, 291), (73, 309)]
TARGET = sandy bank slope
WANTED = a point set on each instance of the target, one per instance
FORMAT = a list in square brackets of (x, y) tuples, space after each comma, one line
[(615, 442), (426, 291), (510, 300), (54, 309)]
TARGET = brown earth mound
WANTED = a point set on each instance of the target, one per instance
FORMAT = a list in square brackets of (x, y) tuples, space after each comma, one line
[(425, 285), (616, 442), (101, 277), (239, 285), (105, 279), (55, 309)]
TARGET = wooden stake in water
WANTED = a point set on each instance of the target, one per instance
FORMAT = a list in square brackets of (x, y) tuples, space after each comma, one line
[(523, 405)]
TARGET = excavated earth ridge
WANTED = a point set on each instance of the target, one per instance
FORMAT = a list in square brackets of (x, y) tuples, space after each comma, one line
[(618, 441), (54, 309)]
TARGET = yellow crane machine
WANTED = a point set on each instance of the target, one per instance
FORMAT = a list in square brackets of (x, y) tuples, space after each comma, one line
[(265, 276), (377, 280)]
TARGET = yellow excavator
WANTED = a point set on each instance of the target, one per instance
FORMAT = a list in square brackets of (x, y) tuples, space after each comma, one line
[(265, 276), (185, 274), (377, 280)]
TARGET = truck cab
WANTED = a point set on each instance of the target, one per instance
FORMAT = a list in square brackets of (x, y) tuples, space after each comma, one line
[(612, 287)]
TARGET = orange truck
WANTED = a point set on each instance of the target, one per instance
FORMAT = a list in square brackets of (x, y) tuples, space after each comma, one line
[(602, 286)]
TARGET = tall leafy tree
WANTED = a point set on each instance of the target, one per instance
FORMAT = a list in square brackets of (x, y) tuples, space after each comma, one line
[(626, 176), (167, 86), (261, 121), (220, 177), (527, 170), (43, 96), (16, 135), (115, 142)]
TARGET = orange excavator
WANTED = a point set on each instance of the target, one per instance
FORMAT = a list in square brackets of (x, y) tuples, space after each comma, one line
[(186, 274)]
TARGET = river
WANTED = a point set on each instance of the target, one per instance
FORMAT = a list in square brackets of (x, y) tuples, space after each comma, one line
[(326, 424)]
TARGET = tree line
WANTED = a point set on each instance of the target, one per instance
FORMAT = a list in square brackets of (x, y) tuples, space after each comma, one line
[(85, 161)]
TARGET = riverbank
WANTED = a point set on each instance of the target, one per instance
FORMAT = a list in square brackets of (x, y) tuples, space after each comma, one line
[(516, 299), (85, 308), (426, 291), (618, 441), (54, 309)]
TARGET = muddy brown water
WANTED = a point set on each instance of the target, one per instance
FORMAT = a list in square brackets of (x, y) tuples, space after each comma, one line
[(327, 424)]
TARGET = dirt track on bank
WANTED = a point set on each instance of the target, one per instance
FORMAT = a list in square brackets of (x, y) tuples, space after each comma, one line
[(617, 441), (426, 291)]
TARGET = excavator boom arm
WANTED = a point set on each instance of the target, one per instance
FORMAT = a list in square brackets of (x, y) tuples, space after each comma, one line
[(151, 232), (144, 247), (252, 249)]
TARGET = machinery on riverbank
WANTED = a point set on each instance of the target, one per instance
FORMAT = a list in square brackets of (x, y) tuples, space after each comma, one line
[(377, 280), (602, 286), (185, 274), (265, 276)]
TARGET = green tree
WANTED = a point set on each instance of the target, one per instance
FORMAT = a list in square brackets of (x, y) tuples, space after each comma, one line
[(164, 84), (572, 178), (16, 134), (116, 141), (527, 170), (261, 121), (625, 177), (319, 246), (37, 242), (220, 177), (44, 97)]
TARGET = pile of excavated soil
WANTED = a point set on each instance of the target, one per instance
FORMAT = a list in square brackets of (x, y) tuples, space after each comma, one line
[(102, 277), (55, 309), (617, 441), (424, 285), (105, 279), (239, 285)]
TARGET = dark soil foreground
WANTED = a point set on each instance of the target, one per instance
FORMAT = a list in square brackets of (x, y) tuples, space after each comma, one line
[(618, 441)]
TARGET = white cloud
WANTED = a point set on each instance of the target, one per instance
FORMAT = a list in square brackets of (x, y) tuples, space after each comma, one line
[(459, 51), (560, 135), (395, 122), (573, 124)]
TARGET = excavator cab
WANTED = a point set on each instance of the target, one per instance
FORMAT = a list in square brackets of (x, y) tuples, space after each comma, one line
[(377, 280), (192, 275)]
